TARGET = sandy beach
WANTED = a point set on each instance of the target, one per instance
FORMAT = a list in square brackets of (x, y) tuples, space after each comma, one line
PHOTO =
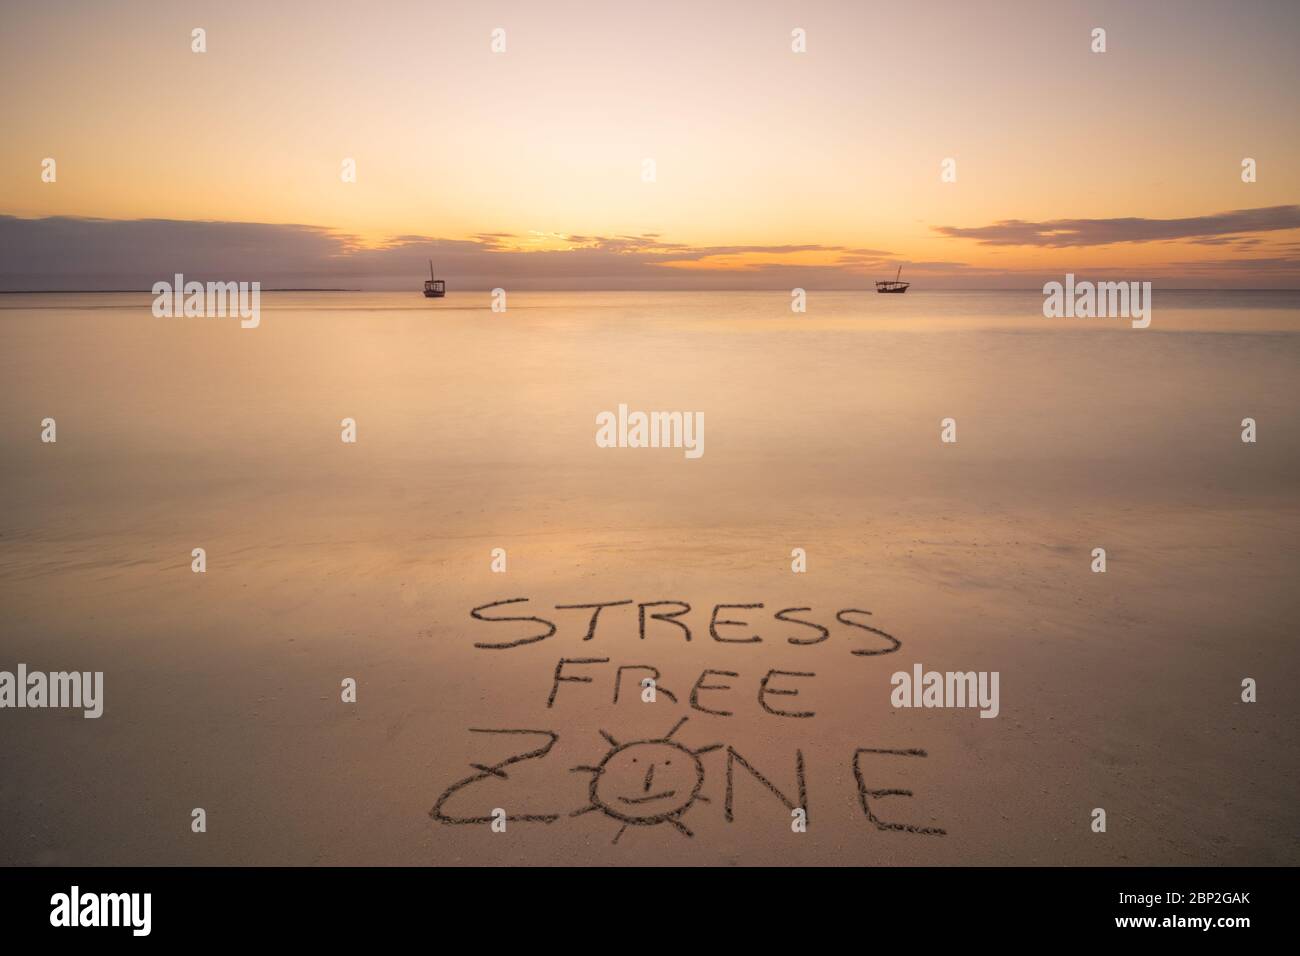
[(328, 560)]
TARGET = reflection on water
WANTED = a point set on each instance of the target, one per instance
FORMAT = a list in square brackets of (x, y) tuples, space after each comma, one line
[(498, 410)]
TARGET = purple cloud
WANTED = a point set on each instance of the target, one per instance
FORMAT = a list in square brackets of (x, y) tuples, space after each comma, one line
[(1102, 232)]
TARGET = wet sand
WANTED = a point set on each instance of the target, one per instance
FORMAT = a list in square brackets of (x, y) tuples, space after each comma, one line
[(1118, 690)]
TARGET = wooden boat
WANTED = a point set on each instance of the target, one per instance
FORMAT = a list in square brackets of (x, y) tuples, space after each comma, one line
[(893, 285), (434, 288)]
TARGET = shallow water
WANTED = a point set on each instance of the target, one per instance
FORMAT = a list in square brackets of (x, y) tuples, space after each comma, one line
[(476, 430)]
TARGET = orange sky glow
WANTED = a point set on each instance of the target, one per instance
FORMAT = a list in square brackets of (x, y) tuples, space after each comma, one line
[(829, 158)]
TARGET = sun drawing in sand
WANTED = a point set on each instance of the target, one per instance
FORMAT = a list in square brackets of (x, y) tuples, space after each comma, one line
[(647, 782)]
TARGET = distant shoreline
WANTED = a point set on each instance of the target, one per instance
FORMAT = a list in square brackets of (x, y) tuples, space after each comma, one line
[(141, 291)]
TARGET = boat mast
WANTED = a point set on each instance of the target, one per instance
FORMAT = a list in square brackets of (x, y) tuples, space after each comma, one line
[(430, 269)]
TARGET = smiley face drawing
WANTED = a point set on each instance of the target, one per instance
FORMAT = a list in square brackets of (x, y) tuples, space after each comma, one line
[(647, 782)]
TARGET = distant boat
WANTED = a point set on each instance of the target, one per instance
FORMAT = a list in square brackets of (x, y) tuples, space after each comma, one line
[(434, 288), (893, 285)]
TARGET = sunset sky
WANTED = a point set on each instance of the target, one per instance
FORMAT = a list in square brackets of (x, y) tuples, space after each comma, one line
[(772, 166)]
